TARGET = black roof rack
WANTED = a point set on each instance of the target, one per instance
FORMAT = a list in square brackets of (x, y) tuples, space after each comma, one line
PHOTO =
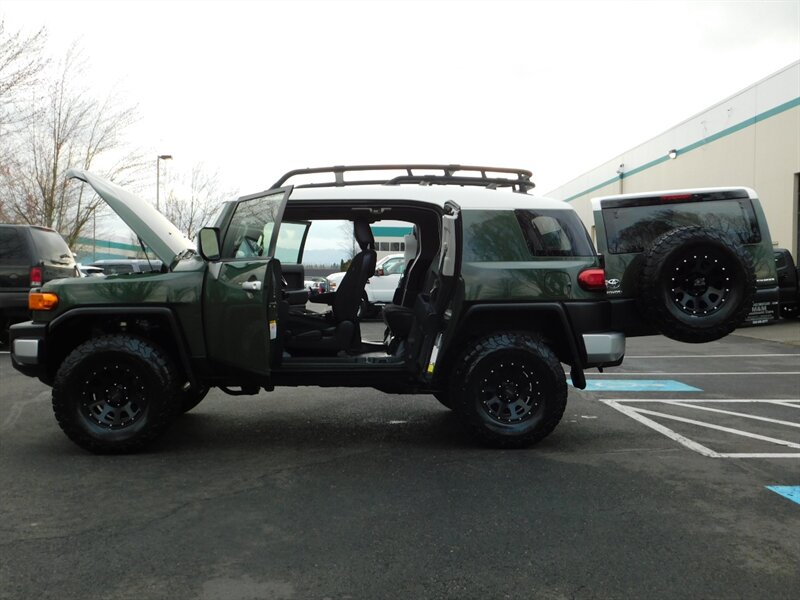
[(517, 179)]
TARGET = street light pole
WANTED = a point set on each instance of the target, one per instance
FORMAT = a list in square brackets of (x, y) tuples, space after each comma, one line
[(158, 176)]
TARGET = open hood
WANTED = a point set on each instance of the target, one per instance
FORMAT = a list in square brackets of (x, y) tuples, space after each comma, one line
[(154, 229)]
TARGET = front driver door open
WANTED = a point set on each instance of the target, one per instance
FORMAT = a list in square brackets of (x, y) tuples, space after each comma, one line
[(240, 308)]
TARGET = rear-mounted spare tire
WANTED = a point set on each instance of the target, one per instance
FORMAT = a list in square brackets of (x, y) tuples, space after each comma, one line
[(696, 284)]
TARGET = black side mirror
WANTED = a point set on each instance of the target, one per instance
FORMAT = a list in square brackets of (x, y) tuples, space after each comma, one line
[(208, 243)]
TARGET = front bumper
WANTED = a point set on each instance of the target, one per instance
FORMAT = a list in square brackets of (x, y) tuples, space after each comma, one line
[(27, 342)]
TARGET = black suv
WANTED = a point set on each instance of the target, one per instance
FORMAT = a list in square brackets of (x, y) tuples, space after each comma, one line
[(30, 256)]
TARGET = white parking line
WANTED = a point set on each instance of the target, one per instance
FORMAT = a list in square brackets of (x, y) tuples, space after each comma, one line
[(792, 403), (755, 436), (638, 414), (735, 414), (670, 373), (644, 356)]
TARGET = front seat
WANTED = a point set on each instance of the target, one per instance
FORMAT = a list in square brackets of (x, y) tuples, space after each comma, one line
[(398, 315), (337, 329)]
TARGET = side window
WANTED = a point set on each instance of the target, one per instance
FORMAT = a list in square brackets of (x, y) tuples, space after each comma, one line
[(290, 242), (555, 233), (492, 236), (393, 266), (250, 231), (13, 249)]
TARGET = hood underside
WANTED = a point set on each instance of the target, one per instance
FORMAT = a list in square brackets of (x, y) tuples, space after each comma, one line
[(153, 228)]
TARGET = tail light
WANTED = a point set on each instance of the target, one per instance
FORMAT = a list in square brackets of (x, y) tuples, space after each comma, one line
[(592, 280), (36, 276)]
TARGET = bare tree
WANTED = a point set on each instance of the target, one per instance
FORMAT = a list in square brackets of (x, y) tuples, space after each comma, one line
[(347, 242), (192, 208), (21, 61), (72, 130)]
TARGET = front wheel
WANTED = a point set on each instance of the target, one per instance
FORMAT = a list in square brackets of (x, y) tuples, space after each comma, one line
[(115, 394), (512, 391)]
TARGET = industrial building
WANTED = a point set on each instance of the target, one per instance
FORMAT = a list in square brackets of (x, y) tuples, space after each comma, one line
[(751, 139)]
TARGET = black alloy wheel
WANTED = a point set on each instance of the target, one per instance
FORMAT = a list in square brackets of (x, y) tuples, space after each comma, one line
[(509, 390), (115, 394), (701, 281)]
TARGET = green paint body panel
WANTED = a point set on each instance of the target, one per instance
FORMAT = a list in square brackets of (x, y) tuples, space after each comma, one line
[(179, 290)]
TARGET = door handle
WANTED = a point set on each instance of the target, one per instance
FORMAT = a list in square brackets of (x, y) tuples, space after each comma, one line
[(251, 286)]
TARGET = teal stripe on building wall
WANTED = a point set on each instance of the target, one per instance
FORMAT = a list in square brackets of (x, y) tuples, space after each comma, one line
[(390, 231), (781, 108), (108, 244)]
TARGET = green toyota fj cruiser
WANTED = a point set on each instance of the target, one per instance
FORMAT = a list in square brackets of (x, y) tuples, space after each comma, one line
[(501, 289)]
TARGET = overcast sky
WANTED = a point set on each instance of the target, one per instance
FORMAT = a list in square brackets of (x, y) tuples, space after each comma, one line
[(257, 88)]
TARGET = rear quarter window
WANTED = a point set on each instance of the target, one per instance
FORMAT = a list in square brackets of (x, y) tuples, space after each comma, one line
[(51, 247), (13, 247), (550, 233), (524, 235)]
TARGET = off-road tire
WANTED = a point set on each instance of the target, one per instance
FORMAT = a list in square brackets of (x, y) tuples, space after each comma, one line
[(510, 390), (696, 285), (95, 397)]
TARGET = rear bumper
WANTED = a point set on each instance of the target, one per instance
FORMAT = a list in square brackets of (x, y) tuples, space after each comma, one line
[(27, 342), (604, 349), (14, 304)]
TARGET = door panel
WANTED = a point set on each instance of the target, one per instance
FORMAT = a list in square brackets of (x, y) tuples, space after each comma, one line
[(240, 297), (430, 308)]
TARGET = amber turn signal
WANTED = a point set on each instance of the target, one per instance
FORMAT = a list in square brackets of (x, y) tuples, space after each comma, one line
[(42, 301)]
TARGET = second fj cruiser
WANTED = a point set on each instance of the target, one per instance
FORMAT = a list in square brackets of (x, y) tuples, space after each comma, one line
[(500, 289)]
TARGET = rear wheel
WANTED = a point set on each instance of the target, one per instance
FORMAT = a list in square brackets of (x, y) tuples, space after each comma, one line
[(115, 394), (513, 391), (696, 285)]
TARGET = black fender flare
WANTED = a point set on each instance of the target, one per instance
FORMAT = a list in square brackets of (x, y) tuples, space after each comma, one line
[(574, 347), (135, 311)]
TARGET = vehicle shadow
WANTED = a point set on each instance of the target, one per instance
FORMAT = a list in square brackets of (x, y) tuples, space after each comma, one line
[(219, 431)]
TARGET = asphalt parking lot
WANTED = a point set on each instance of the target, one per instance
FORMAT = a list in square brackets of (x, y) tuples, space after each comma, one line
[(673, 476)]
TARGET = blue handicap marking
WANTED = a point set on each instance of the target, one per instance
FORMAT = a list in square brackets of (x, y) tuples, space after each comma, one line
[(792, 492), (638, 385)]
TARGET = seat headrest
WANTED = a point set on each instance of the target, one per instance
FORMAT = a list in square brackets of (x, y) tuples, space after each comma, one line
[(363, 234)]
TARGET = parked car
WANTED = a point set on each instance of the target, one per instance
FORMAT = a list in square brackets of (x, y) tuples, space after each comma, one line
[(89, 270), (316, 285), (505, 288), (117, 266), (30, 256), (381, 287)]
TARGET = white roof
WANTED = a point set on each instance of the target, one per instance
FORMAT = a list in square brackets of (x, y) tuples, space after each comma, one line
[(467, 197)]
